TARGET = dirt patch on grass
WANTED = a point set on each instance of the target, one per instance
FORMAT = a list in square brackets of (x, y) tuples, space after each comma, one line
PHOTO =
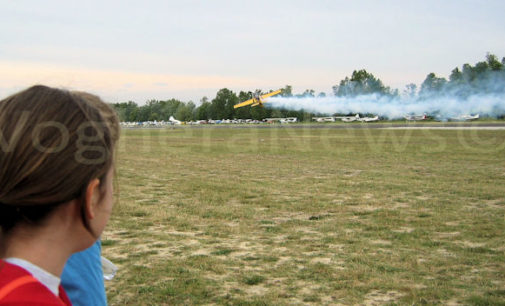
[(201, 252), (423, 198), (290, 217), (453, 223), (453, 302), (336, 247), (178, 233), (399, 205), (404, 230), (496, 203), (256, 290), (365, 208), (377, 297), (283, 260), (115, 253), (381, 242), (350, 172), (309, 233), (445, 253), (450, 235), (470, 244), (321, 260)]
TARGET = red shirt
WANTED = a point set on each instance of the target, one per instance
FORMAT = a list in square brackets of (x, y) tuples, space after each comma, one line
[(18, 287)]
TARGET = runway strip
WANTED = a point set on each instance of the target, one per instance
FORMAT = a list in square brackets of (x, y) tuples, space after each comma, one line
[(415, 126), (408, 126), (446, 128)]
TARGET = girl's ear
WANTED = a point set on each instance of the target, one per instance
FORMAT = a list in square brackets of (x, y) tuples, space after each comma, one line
[(92, 198)]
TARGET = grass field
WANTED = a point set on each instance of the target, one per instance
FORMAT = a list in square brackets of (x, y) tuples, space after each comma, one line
[(308, 216)]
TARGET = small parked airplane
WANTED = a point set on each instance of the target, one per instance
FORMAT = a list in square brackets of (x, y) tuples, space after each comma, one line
[(288, 120), (466, 117), (281, 120), (257, 99), (174, 121), (349, 118), (324, 119), (369, 119)]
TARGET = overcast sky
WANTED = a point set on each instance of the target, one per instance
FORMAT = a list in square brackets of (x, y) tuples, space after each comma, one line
[(140, 50)]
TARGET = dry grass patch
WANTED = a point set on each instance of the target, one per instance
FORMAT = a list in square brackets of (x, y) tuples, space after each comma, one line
[(216, 216)]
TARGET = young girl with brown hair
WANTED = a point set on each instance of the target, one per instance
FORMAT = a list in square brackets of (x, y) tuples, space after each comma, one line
[(56, 182)]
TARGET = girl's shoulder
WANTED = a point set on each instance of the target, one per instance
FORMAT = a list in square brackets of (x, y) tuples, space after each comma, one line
[(18, 287)]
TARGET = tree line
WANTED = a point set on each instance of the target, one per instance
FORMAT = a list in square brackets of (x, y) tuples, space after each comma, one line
[(487, 76), (484, 77), (221, 107)]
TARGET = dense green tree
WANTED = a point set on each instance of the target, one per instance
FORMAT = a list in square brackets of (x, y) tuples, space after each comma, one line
[(410, 90), (277, 113), (361, 83), (258, 113), (432, 85), (127, 111), (222, 104), (192, 108), (493, 62), (484, 77), (202, 112), (309, 93), (481, 67), (169, 108), (243, 112), (456, 76), (184, 112), (154, 110), (121, 111), (287, 91), (468, 73)]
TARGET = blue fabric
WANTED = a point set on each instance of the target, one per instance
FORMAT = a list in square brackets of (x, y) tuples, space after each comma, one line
[(82, 277)]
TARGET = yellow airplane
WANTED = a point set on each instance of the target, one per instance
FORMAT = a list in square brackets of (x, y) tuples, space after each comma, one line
[(257, 99)]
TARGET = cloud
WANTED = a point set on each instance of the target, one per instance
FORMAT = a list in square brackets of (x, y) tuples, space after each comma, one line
[(109, 83)]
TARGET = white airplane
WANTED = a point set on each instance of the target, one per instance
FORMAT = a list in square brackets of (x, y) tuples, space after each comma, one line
[(288, 120), (350, 118), (466, 117), (281, 120), (415, 117), (324, 119), (369, 119), (173, 120)]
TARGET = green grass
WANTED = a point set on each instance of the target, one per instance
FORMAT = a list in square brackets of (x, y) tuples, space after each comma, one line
[(254, 216)]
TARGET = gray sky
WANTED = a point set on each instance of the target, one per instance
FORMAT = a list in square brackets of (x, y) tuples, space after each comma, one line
[(132, 50)]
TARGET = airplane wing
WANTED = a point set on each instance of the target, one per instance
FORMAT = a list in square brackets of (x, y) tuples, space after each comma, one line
[(248, 102), (273, 93), (255, 102)]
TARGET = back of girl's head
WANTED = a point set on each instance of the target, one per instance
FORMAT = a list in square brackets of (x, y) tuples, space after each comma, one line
[(53, 143)]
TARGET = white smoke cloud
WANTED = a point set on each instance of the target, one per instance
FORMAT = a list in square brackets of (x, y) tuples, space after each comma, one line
[(444, 107)]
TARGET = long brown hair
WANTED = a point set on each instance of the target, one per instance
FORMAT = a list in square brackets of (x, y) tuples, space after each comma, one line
[(53, 142)]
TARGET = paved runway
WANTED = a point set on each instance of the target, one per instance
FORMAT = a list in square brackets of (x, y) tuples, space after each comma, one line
[(374, 125)]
